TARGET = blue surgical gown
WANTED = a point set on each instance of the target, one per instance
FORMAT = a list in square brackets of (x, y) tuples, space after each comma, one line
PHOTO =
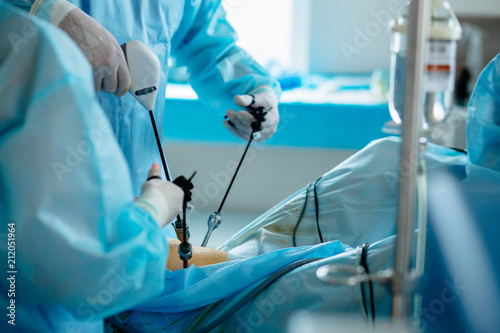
[(197, 35), (483, 119), (79, 248)]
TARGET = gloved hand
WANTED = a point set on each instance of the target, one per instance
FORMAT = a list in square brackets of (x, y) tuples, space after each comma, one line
[(161, 198), (111, 73), (239, 123), (186, 185)]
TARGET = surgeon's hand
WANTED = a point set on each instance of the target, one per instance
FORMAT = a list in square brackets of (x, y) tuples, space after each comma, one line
[(239, 123), (161, 198), (108, 62)]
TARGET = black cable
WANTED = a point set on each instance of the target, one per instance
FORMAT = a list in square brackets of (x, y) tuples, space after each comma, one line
[(120, 326), (184, 225), (302, 213), (317, 209), (185, 261), (294, 235), (362, 284), (232, 309), (236, 172), (158, 143), (167, 175), (363, 299), (460, 150), (364, 264), (160, 150), (201, 316), (259, 114)]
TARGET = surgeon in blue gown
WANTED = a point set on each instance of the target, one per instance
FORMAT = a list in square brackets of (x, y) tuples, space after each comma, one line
[(82, 248), (75, 246), (195, 33), (343, 194)]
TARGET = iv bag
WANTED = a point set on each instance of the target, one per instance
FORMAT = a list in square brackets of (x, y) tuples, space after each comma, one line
[(439, 63)]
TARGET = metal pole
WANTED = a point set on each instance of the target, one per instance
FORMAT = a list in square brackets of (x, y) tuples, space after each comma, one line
[(417, 29)]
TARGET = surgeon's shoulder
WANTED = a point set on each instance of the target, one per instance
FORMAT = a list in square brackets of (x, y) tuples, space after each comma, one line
[(30, 39)]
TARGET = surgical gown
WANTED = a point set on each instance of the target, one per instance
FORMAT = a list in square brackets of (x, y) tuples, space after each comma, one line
[(197, 35), (483, 122), (78, 248)]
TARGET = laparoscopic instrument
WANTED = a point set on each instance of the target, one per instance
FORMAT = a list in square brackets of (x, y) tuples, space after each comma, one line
[(145, 70), (259, 113)]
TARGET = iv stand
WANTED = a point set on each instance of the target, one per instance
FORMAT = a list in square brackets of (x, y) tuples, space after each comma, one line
[(402, 278)]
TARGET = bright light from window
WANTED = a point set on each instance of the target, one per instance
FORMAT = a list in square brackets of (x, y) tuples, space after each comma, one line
[(264, 28)]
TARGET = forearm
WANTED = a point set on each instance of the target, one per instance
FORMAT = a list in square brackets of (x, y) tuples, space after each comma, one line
[(218, 68), (202, 256)]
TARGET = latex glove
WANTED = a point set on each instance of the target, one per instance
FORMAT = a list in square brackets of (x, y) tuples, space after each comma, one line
[(241, 120), (161, 198), (111, 73)]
